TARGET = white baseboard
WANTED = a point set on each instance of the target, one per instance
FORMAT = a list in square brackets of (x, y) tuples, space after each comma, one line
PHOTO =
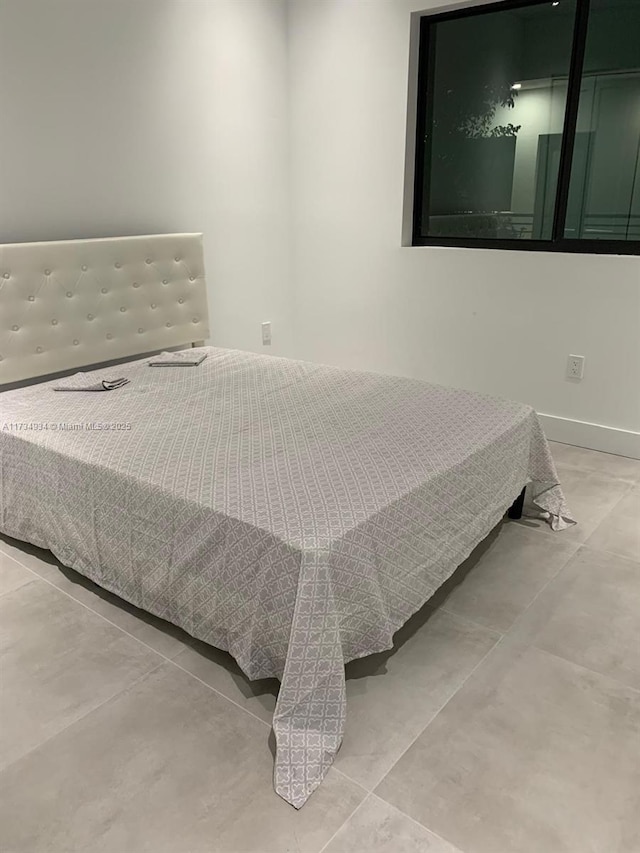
[(623, 442)]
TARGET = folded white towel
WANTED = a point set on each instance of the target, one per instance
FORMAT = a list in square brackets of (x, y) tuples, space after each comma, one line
[(177, 359), (82, 382)]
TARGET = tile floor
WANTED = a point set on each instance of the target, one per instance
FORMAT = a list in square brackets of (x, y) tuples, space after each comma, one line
[(506, 720)]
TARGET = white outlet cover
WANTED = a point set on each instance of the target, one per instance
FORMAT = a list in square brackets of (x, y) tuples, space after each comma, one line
[(575, 367)]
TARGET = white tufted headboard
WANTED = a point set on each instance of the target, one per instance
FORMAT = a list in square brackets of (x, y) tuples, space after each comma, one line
[(73, 303)]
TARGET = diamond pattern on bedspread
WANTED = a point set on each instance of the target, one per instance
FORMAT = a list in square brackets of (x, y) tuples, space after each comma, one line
[(293, 514)]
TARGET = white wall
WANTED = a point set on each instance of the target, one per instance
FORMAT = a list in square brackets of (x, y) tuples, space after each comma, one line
[(130, 116), (149, 116), (493, 321)]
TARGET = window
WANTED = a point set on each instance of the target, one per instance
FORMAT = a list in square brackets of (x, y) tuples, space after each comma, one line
[(528, 127)]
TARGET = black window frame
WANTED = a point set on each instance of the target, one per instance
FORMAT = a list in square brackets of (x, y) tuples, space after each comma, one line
[(425, 88)]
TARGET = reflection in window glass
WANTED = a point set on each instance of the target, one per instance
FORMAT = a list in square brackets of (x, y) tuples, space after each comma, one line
[(604, 196), (495, 103)]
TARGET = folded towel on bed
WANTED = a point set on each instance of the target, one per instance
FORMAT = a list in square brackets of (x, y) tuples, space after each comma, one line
[(177, 359), (82, 382)]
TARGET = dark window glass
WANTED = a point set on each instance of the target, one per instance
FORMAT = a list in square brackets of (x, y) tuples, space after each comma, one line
[(529, 125), (604, 197)]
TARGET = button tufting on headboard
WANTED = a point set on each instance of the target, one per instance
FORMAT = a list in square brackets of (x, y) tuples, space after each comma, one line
[(55, 297)]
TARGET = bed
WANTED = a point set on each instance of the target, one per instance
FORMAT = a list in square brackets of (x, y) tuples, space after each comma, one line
[(293, 514)]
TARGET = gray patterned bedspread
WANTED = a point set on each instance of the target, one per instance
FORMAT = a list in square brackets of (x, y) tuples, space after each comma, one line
[(293, 514)]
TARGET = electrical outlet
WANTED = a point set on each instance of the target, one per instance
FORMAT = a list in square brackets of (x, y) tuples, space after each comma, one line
[(266, 333), (575, 367)]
